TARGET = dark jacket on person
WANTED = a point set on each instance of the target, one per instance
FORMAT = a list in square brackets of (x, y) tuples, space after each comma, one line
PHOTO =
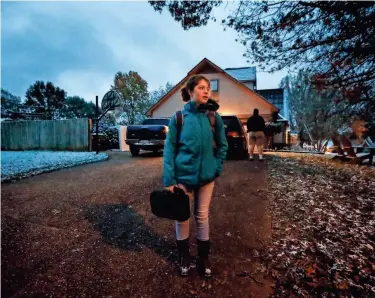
[(256, 123)]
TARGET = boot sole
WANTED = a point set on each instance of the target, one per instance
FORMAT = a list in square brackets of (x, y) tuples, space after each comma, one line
[(206, 274), (186, 273), (202, 272)]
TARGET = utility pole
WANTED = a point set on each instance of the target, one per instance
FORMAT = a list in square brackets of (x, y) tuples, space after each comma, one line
[(111, 100), (97, 124)]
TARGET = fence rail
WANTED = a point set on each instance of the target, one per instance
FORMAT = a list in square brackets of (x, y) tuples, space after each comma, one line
[(71, 134)]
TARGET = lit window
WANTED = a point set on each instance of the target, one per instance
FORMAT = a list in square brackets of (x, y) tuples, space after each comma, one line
[(214, 85)]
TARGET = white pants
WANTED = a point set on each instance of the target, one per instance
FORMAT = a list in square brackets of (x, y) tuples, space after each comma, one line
[(256, 138), (202, 199)]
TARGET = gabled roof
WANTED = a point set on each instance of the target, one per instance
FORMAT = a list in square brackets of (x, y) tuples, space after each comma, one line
[(368, 142), (203, 65), (242, 74), (206, 65), (281, 118)]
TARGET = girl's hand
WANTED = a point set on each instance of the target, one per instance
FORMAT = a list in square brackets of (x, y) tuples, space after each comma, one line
[(170, 188)]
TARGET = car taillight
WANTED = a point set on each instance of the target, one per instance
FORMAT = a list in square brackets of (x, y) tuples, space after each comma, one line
[(165, 130), (233, 134)]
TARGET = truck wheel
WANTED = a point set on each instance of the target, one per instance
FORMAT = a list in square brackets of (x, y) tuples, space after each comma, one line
[(134, 150)]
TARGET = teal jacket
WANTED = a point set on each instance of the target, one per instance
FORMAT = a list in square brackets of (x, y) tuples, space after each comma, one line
[(196, 162)]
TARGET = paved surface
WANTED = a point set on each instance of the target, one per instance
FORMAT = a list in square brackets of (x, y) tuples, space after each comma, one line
[(88, 232)]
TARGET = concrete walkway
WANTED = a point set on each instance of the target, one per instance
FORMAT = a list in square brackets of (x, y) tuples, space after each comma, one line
[(88, 232)]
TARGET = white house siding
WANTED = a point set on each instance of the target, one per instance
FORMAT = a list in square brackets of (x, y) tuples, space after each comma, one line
[(233, 98)]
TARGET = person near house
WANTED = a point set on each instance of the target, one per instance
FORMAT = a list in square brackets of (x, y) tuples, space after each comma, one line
[(255, 129), (192, 163)]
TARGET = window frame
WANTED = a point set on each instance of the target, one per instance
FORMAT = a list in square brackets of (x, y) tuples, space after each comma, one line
[(217, 84)]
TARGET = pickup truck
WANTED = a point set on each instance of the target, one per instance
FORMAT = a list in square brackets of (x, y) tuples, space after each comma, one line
[(149, 136)]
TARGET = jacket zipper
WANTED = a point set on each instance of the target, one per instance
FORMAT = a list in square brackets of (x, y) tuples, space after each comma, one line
[(201, 146)]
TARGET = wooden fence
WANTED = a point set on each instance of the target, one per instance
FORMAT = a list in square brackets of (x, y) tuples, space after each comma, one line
[(71, 134)]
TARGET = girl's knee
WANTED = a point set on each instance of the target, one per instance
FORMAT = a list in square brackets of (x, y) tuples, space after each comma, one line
[(201, 217)]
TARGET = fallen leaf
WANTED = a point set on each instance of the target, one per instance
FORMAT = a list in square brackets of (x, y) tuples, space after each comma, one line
[(369, 246), (343, 286), (310, 271)]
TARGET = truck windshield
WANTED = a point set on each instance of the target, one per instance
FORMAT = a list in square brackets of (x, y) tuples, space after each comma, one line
[(156, 122)]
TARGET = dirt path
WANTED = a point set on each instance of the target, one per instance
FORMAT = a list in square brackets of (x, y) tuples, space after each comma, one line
[(88, 232)]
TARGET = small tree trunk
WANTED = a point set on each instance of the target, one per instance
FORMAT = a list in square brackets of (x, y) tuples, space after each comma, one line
[(268, 144)]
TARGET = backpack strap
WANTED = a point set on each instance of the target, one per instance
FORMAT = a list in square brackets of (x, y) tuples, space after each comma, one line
[(212, 118), (179, 123), (211, 115)]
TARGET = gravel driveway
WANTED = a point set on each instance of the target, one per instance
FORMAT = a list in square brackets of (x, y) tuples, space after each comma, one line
[(88, 231)]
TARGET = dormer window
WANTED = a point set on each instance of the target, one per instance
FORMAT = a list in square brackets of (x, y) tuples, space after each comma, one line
[(214, 85)]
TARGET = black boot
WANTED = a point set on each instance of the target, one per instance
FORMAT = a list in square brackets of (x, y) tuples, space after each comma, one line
[(203, 262), (183, 256)]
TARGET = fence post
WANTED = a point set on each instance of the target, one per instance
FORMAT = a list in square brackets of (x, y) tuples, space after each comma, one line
[(89, 135)]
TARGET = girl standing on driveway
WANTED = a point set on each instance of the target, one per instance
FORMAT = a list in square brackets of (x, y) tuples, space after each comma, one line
[(192, 164)]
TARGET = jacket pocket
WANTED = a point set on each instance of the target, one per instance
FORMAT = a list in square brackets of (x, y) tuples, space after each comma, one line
[(185, 166)]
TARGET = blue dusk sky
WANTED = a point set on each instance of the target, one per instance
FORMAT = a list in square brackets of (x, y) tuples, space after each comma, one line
[(79, 46)]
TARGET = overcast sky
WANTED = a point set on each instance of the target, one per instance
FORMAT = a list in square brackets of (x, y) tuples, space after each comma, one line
[(79, 46)]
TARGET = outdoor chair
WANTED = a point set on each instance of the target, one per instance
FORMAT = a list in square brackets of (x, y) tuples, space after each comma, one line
[(350, 153), (337, 151)]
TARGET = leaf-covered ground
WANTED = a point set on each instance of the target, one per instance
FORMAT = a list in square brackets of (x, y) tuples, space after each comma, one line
[(323, 225)]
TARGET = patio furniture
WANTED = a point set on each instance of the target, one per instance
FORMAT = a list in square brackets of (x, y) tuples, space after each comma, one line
[(351, 154), (337, 151)]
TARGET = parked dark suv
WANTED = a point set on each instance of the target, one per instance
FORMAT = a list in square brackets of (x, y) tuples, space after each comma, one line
[(236, 137)]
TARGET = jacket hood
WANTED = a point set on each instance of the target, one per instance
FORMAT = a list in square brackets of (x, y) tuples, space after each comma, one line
[(191, 106), (211, 105)]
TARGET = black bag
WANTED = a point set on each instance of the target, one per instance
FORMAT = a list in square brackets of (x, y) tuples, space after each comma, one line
[(171, 205)]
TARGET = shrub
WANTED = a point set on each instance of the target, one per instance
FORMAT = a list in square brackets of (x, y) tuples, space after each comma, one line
[(272, 128)]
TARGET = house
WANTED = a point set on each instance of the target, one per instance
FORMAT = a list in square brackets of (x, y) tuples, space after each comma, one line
[(232, 88), (279, 98)]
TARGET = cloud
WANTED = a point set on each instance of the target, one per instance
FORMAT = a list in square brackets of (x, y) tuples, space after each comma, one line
[(85, 84), (19, 24), (79, 46)]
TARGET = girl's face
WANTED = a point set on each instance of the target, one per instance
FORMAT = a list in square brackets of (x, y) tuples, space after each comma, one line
[(201, 92)]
